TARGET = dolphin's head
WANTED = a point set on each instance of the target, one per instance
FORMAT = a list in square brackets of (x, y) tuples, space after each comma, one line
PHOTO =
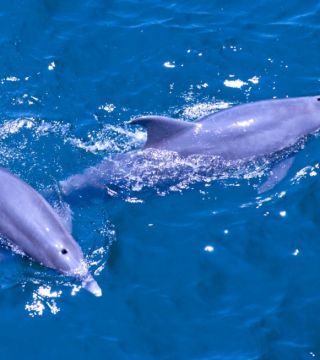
[(75, 265), (306, 111), (313, 109), (66, 257), (313, 103)]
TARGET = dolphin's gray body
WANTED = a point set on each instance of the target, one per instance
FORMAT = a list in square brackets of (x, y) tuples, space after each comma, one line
[(243, 132), (31, 224)]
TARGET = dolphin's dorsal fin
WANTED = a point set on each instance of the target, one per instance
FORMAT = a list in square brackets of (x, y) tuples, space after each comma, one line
[(160, 127)]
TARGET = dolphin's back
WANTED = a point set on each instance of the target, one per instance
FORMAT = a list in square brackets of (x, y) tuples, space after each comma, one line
[(262, 127), (243, 131), (265, 114)]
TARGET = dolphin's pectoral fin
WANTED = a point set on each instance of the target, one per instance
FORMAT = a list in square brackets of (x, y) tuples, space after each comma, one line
[(277, 174), (160, 127)]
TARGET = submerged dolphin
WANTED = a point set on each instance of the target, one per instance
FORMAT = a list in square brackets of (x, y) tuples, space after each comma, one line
[(30, 223), (245, 132)]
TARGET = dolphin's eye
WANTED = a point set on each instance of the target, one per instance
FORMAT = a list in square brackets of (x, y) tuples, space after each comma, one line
[(318, 99), (64, 251)]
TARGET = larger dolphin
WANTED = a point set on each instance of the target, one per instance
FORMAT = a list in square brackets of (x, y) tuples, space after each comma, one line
[(30, 223), (245, 132)]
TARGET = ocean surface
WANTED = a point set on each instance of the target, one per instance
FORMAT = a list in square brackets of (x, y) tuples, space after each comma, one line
[(205, 268)]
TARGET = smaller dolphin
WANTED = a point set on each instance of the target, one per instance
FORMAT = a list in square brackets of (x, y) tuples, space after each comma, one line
[(30, 223)]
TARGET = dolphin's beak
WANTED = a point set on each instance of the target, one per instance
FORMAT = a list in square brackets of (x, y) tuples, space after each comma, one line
[(92, 286)]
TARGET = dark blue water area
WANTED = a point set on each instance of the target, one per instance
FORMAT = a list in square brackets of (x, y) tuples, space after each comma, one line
[(209, 270)]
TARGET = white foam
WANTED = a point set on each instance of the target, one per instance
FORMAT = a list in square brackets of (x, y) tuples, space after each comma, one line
[(51, 66), (169, 65), (236, 84)]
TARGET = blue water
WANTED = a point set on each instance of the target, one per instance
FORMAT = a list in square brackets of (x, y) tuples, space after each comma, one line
[(209, 270)]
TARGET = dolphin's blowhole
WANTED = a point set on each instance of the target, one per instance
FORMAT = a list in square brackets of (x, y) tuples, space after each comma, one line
[(64, 251)]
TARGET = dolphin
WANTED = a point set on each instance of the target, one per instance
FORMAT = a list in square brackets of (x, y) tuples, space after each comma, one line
[(241, 133), (28, 222)]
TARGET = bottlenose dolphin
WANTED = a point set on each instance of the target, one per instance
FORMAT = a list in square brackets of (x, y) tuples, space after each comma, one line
[(30, 223), (241, 133)]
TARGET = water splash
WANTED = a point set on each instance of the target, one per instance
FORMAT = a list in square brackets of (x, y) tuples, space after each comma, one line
[(113, 139), (204, 108), (43, 298)]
